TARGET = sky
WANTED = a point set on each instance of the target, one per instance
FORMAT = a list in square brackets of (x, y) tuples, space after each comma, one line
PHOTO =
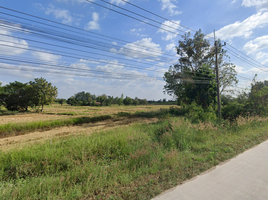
[(78, 45)]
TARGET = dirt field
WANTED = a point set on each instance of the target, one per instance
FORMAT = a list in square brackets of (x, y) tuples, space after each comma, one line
[(56, 111)]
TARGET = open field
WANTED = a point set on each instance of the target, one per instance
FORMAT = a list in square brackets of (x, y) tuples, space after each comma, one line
[(40, 136), (131, 152), (56, 111)]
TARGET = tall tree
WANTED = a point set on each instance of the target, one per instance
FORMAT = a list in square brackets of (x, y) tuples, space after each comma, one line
[(43, 92), (194, 71)]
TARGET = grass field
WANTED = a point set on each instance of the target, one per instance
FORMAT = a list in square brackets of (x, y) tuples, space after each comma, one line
[(135, 161), (56, 111)]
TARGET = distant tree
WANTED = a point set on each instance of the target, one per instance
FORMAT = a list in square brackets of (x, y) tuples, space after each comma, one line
[(101, 98), (136, 101), (43, 92), (120, 101), (62, 101), (128, 101), (143, 102), (72, 101)]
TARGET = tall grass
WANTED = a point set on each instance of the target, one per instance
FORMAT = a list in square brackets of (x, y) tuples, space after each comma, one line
[(137, 162)]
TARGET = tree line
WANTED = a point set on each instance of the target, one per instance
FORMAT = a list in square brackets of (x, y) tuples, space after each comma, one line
[(17, 96), (87, 99)]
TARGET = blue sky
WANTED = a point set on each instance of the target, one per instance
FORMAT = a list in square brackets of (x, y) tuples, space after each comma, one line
[(115, 46)]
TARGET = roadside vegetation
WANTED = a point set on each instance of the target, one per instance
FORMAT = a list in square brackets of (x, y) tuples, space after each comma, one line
[(137, 162)]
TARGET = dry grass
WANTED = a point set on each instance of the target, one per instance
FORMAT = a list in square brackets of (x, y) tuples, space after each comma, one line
[(56, 111)]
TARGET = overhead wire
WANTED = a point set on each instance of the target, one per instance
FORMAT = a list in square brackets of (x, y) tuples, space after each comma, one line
[(60, 23)]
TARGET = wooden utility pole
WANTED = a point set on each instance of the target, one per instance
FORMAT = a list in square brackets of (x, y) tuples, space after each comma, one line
[(217, 77)]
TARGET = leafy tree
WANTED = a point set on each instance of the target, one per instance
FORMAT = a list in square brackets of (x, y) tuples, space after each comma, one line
[(120, 101), (258, 97), (101, 98), (16, 96), (43, 92), (62, 101), (72, 101), (128, 101), (143, 102), (136, 101), (193, 77)]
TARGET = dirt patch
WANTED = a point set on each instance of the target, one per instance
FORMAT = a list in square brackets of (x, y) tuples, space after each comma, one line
[(34, 137)]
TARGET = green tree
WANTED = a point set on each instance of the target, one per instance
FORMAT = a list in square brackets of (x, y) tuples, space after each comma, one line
[(43, 92), (62, 101), (120, 101), (193, 77), (16, 96), (128, 101), (258, 97), (136, 101)]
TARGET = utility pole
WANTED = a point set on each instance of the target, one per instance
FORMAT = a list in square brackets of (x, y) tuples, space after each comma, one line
[(217, 77)]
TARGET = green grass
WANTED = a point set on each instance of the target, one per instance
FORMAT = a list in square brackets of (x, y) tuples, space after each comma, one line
[(11, 129), (137, 162)]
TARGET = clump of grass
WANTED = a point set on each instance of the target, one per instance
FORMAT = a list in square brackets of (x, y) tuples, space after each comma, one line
[(67, 113), (137, 162), (123, 114), (11, 129), (7, 112)]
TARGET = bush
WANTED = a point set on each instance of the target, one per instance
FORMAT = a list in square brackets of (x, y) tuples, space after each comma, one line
[(232, 110)]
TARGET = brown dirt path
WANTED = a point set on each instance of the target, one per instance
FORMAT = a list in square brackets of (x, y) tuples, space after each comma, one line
[(34, 137)]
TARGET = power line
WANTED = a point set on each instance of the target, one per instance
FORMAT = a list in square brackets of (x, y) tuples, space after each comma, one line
[(65, 25), (132, 17)]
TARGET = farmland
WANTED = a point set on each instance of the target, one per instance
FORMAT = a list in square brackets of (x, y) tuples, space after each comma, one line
[(135, 152)]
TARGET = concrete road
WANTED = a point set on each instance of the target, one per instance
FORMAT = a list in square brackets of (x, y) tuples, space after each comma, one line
[(244, 177)]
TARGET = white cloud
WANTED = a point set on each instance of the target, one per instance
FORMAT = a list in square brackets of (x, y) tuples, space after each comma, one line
[(170, 47), (244, 28), (93, 25), (62, 14), (10, 45), (113, 50), (137, 32), (112, 66), (144, 48), (259, 4), (169, 36), (256, 45), (168, 5), (118, 2), (48, 57), (114, 43)]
